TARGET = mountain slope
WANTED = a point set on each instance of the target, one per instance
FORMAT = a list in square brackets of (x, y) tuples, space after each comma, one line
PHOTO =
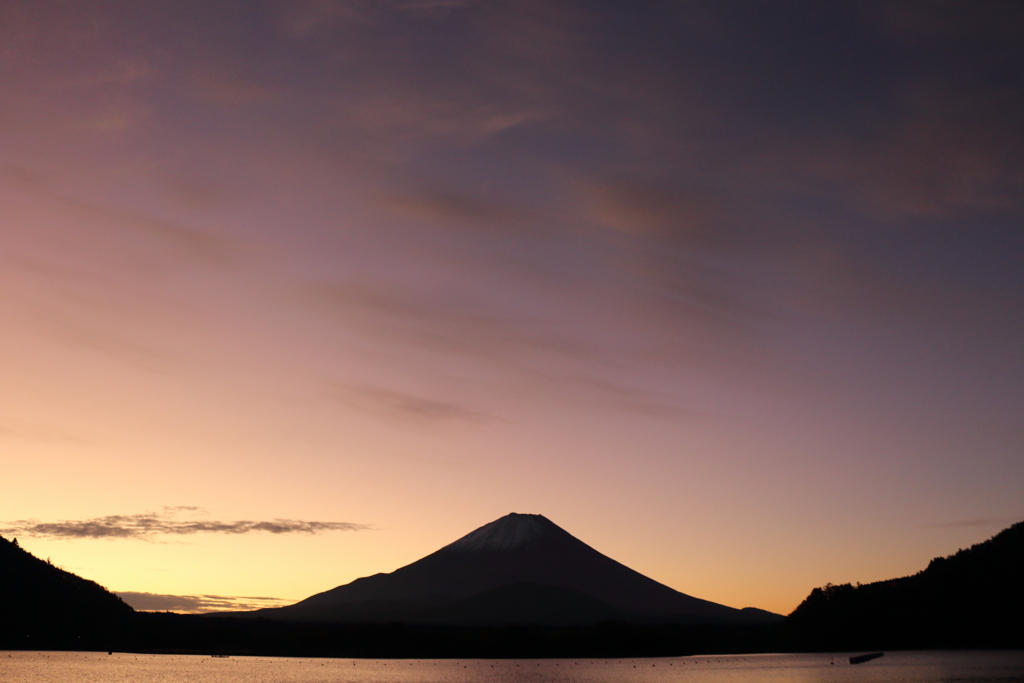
[(516, 549), (522, 603), (974, 598), (44, 606)]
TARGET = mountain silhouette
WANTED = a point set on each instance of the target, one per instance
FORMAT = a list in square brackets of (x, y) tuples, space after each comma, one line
[(519, 603), (518, 569), (974, 598), (44, 606)]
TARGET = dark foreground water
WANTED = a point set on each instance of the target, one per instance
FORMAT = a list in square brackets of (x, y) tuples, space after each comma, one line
[(907, 667)]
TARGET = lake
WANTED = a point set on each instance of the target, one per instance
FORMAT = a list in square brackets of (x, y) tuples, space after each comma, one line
[(907, 667)]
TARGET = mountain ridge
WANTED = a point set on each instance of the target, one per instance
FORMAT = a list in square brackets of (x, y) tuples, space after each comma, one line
[(514, 549), (45, 606), (972, 598)]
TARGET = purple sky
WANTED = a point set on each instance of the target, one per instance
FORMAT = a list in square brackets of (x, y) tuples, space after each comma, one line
[(732, 291)]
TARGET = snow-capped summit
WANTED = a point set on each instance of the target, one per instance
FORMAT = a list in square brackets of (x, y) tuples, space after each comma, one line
[(509, 532)]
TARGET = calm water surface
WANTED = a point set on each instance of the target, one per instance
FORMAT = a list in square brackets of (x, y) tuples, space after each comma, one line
[(908, 667)]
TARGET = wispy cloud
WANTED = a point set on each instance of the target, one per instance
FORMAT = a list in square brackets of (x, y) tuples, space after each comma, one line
[(445, 205), (306, 18), (978, 521), (166, 523), (460, 326), (401, 404), (197, 604), (655, 209), (196, 245)]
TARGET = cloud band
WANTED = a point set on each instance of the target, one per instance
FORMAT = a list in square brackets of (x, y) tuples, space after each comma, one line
[(197, 604), (149, 524)]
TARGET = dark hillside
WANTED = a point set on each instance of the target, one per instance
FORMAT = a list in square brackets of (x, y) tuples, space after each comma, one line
[(974, 598), (44, 607)]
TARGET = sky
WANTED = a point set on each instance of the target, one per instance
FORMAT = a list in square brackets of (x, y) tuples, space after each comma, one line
[(294, 292)]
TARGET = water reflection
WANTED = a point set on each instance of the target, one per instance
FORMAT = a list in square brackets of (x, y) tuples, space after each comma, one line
[(902, 667)]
